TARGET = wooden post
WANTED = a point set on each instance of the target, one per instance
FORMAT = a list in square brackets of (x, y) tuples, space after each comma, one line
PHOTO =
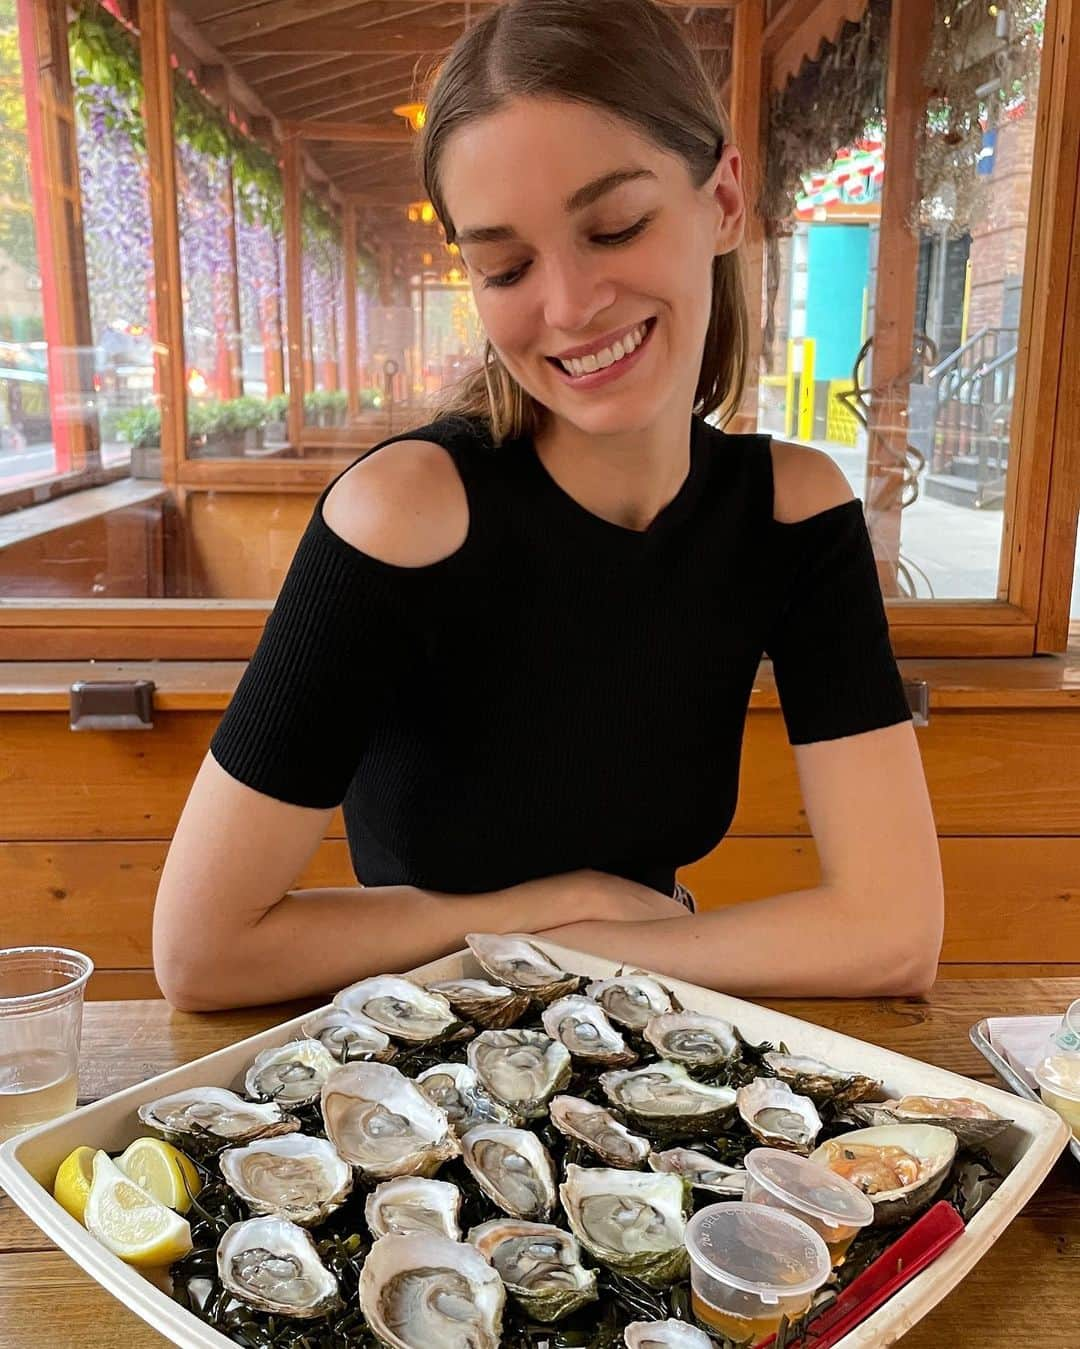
[(351, 389), (910, 28), (294, 288), (234, 338), (749, 124)]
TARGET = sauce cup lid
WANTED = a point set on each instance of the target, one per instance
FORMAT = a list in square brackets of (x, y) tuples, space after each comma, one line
[(1051, 1074), (806, 1185), (759, 1250)]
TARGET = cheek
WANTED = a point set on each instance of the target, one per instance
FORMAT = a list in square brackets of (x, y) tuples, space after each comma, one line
[(510, 326)]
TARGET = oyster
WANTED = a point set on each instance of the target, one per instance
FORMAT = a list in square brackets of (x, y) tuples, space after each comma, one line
[(582, 1026), (347, 1037), (521, 1068), (513, 1168), (631, 999), (272, 1265), (455, 1088), (482, 1002), (382, 1124), (663, 1098), (399, 1008), (631, 1221), (214, 1111), (665, 1335), (426, 1292), (295, 1177), (539, 1264), (414, 1204), (778, 1116), (687, 1037), (291, 1074), (901, 1167), (973, 1123), (518, 963), (600, 1131), (703, 1172), (820, 1081)]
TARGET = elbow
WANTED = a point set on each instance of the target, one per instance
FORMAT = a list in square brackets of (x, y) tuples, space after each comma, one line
[(188, 979), (914, 968)]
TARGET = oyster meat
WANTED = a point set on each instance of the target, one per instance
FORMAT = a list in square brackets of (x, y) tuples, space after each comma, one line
[(539, 1264), (518, 963), (973, 1123), (347, 1037), (631, 999), (521, 1068), (399, 1008), (900, 1167), (693, 1039), (600, 1131), (414, 1204), (382, 1124), (273, 1266), (703, 1172), (426, 1292), (665, 1335), (631, 1221), (820, 1081), (482, 1002), (455, 1088), (215, 1111), (582, 1026), (291, 1074), (662, 1097), (778, 1116), (513, 1168), (295, 1177)]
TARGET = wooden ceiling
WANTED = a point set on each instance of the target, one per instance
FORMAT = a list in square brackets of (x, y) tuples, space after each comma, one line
[(347, 65)]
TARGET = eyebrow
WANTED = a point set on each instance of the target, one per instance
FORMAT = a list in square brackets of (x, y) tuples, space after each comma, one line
[(577, 201)]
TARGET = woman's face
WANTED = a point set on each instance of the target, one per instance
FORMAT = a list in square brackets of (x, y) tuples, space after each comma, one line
[(578, 232)]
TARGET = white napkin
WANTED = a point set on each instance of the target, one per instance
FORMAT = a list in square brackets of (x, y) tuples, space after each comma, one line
[(1021, 1041)]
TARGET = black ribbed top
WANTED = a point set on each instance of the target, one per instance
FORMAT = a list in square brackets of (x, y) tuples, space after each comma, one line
[(561, 692)]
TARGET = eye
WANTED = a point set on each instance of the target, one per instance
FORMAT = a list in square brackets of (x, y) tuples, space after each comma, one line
[(605, 240)]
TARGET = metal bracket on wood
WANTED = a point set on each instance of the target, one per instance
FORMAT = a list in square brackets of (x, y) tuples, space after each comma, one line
[(918, 696), (112, 705)]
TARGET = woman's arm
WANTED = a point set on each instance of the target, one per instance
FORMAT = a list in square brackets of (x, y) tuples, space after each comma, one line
[(872, 927)]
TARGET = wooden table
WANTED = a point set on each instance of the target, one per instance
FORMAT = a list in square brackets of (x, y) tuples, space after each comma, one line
[(1026, 1291)]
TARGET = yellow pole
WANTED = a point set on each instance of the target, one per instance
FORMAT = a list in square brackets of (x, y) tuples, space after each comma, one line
[(789, 391), (806, 391), (967, 302)]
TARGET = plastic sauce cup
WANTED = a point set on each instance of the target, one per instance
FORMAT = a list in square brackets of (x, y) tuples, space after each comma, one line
[(835, 1209), (1058, 1077), (750, 1266)]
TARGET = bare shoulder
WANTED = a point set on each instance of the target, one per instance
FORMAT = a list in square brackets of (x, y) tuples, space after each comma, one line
[(404, 504), (805, 482)]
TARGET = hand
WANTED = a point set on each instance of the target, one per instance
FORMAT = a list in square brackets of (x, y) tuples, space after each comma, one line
[(596, 896)]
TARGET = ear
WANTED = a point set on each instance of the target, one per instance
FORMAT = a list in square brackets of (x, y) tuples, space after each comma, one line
[(727, 191)]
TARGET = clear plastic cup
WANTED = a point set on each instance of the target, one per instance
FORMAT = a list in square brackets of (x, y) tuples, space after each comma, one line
[(41, 1005), (835, 1209), (1058, 1073), (750, 1266)]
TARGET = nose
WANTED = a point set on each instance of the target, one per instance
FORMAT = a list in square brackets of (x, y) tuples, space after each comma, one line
[(575, 291)]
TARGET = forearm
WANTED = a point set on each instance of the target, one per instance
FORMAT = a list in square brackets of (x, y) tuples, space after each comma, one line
[(805, 943)]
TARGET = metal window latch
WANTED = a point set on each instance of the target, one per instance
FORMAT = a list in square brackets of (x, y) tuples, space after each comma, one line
[(918, 696), (112, 705)]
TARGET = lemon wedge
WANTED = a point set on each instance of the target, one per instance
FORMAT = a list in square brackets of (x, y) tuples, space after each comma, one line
[(71, 1189), (130, 1222), (162, 1171)]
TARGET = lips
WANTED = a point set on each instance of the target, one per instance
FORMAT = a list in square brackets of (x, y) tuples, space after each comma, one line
[(648, 324)]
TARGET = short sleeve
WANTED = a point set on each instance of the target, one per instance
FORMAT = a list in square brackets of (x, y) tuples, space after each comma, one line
[(301, 715), (829, 643)]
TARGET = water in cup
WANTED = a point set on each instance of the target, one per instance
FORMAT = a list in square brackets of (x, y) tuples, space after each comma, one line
[(35, 1085)]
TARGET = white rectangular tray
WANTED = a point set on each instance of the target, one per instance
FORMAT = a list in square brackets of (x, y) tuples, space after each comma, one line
[(1028, 1149)]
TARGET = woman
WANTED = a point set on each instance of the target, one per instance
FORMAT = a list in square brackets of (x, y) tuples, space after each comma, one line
[(519, 643)]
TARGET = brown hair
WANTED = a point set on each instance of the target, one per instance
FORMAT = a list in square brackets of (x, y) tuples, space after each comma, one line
[(626, 57)]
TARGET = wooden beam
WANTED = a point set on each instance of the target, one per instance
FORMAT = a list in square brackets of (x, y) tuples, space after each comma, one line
[(748, 124), (339, 40), (351, 355), (821, 24), (294, 285), (350, 133)]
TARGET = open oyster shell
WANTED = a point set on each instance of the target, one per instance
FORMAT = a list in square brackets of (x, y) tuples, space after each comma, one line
[(582, 1026), (399, 1008), (518, 963), (632, 999), (482, 1002), (820, 1081), (669, 1334), (778, 1116), (290, 1074), (539, 1264), (414, 1204), (273, 1266), (382, 1124), (456, 1088), (513, 1168), (631, 1221), (662, 1098), (973, 1123), (347, 1037), (900, 1167), (218, 1113), (426, 1292), (521, 1068), (703, 1172), (296, 1177), (693, 1039), (600, 1131)]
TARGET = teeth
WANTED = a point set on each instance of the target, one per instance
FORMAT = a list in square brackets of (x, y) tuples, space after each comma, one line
[(600, 360)]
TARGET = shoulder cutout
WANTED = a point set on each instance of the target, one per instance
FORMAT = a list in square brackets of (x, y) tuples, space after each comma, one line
[(805, 482), (404, 504)]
